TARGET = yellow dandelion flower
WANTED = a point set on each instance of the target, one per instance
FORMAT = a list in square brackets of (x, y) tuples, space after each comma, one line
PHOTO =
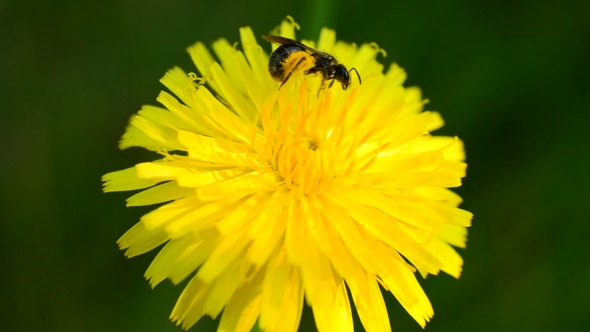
[(278, 197)]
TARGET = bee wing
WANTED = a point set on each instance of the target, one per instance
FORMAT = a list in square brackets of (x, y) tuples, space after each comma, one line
[(283, 41)]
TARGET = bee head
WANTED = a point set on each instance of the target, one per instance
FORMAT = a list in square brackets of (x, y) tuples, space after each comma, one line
[(340, 74)]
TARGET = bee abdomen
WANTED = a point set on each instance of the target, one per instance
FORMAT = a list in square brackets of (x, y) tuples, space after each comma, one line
[(276, 63)]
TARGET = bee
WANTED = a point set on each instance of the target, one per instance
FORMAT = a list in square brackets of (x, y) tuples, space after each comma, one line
[(292, 54)]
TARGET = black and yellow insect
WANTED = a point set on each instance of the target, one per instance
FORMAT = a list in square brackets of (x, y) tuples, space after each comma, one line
[(292, 55)]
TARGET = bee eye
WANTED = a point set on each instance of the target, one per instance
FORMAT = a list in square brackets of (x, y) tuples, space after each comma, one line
[(343, 72)]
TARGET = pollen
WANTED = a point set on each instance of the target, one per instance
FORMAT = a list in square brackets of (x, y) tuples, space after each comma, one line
[(306, 164)]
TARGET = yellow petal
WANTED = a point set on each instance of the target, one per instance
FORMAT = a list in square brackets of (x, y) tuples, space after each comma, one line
[(138, 240), (126, 179), (453, 235), (450, 259), (369, 304), (268, 229), (352, 237), (168, 191), (226, 252), (384, 228), (337, 316), (243, 308), (405, 288), (203, 60), (240, 186), (239, 103), (244, 213), (179, 257), (224, 286), (190, 305), (163, 135), (282, 296), (258, 61)]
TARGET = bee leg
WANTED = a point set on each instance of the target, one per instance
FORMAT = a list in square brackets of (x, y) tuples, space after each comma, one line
[(286, 79), (291, 72), (325, 76), (322, 85)]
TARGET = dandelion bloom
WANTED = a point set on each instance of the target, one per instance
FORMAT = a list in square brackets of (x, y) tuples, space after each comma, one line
[(280, 196)]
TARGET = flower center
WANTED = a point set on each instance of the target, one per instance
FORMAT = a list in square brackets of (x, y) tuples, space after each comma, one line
[(306, 164)]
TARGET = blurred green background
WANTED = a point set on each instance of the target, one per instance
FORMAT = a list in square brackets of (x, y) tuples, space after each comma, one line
[(509, 77)]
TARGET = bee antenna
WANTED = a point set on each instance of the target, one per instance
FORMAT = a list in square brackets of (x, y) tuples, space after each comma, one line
[(357, 74)]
